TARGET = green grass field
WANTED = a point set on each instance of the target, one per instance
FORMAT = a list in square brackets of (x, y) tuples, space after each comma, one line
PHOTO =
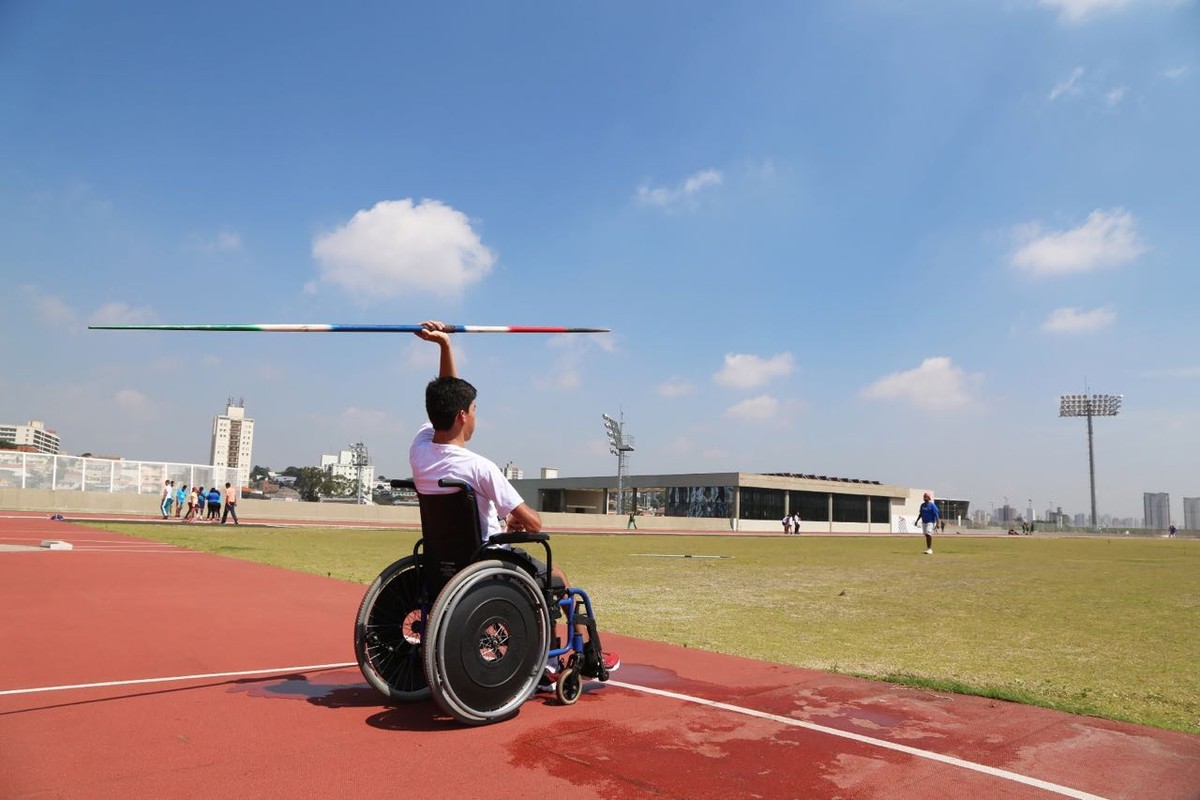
[(1109, 627)]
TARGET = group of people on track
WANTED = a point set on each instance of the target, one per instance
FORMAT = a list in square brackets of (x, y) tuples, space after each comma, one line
[(199, 503)]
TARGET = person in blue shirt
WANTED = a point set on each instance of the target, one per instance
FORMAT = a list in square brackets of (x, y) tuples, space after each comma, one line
[(214, 503), (928, 515)]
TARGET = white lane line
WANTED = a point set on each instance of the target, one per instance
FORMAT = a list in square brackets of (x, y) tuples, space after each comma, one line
[(1066, 791), (176, 678)]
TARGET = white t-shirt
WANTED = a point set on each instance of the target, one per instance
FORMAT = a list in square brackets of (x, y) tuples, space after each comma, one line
[(431, 462)]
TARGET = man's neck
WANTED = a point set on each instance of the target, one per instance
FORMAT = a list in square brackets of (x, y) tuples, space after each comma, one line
[(453, 436)]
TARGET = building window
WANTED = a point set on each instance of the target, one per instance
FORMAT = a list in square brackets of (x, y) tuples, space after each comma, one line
[(849, 508), (761, 503), (715, 502), (812, 506), (881, 509)]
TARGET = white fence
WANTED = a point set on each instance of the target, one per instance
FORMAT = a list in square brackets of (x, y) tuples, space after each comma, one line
[(77, 474)]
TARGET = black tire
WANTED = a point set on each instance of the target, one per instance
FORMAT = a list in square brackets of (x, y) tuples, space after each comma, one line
[(486, 645), (388, 637), (569, 686)]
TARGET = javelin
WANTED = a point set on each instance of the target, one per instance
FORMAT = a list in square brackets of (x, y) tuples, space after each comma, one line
[(287, 327)]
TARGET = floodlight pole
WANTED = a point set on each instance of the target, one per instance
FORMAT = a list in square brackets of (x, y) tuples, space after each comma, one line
[(1090, 405), (362, 475), (1091, 465), (619, 445)]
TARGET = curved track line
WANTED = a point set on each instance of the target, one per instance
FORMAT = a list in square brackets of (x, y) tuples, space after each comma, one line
[(1066, 791), (174, 678)]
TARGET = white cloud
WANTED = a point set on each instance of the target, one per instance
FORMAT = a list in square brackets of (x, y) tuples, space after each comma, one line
[(223, 242), (674, 196), (1115, 96), (563, 377), (568, 367), (1107, 238), (367, 421), (49, 308), (1075, 11), (936, 385), (132, 401), (397, 248), (755, 409), (1069, 86), (1073, 320), (675, 387), (744, 371), (121, 314), (1174, 73)]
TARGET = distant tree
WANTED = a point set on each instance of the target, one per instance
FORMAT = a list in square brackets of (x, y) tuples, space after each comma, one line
[(294, 472), (341, 487), (259, 473), (312, 483)]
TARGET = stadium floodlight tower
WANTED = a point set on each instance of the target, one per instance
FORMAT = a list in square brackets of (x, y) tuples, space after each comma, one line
[(1094, 405), (362, 473), (620, 445)]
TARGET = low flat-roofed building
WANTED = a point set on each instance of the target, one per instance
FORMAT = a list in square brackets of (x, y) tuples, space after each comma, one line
[(823, 502)]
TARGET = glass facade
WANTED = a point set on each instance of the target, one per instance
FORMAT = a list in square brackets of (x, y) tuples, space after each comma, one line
[(812, 506), (881, 510), (762, 503), (701, 501), (850, 508)]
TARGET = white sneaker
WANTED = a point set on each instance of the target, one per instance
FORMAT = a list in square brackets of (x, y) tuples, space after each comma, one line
[(929, 551)]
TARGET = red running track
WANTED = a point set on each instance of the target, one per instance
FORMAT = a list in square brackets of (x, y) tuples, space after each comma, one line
[(673, 723)]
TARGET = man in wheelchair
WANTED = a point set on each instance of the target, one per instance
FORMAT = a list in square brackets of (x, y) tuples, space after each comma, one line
[(439, 452)]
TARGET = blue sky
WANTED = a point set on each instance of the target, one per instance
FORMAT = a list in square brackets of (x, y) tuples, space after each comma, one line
[(867, 238)]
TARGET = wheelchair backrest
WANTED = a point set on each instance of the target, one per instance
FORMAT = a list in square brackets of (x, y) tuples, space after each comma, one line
[(451, 531)]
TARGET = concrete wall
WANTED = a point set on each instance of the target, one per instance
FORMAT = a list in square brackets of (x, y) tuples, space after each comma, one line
[(132, 505)]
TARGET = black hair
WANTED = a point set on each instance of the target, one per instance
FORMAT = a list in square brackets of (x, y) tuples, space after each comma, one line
[(444, 398)]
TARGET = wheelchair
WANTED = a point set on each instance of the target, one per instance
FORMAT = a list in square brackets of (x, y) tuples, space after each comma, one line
[(471, 624)]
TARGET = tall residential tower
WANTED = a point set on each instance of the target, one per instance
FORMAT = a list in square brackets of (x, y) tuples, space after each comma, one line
[(1158, 510), (233, 440), (1191, 513)]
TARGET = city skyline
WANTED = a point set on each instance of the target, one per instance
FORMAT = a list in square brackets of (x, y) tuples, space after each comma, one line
[(854, 238)]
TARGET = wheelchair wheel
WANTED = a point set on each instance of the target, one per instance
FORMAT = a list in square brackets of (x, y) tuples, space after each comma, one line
[(486, 646), (388, 635), (569, 686)]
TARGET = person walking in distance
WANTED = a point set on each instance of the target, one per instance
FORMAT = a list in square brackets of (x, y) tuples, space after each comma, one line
[(165, 500), (230, 504), (928, 515)]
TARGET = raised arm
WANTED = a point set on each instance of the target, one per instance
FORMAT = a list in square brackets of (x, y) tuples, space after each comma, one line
[(434, 331)]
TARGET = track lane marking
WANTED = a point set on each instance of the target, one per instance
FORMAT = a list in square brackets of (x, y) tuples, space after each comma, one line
[(177, 678), (1016, 777), (995, 772)]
